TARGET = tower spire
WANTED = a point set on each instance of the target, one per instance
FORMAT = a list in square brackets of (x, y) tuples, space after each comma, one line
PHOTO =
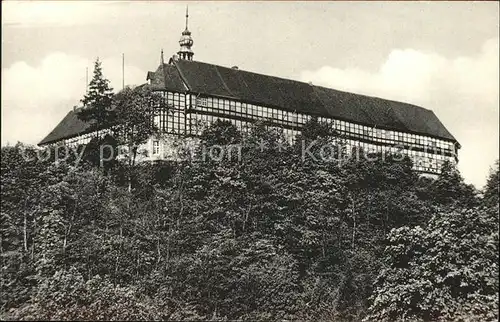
[(186, 42)]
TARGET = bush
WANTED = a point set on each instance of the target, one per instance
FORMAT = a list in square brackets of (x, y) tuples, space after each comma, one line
[(67, 296), (445, 271)]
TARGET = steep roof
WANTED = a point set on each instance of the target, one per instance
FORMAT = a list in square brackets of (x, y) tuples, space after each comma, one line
[(166, 76), (69, 126), (303, 97), (208, 79)]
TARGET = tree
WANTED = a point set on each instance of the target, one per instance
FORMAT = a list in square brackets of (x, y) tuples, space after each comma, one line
[(101, 152), (98, 110), (491, 189), (270, 235), (220, 133), (134, 112), (450, 190), (446, 270), (314, 130), (21, 186), (319, 141), (67, 296), (26, 173)]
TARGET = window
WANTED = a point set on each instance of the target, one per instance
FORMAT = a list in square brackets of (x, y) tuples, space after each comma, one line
[(215, 103), (156, 147), (251, 110), (275, 114), (232, 107), (156, 120), (202, 101)]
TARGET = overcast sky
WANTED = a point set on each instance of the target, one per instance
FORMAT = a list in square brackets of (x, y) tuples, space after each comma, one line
[(442, 56)]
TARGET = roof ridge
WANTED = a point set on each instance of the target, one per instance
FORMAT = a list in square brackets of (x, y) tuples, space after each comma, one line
[(301, 82), (245, 71)]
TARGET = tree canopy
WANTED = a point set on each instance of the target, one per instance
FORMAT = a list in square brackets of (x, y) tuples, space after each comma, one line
[(97, 103), (267, 235)]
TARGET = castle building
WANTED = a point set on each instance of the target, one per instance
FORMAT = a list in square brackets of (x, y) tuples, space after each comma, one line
[(197, 93)]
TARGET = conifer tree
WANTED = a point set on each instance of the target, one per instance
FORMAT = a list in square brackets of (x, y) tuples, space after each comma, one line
[(98, 110)]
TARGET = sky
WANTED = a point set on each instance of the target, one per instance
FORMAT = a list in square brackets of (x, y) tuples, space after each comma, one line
[(443, 56)]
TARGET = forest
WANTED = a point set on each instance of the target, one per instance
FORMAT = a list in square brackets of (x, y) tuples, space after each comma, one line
[(262, 235)]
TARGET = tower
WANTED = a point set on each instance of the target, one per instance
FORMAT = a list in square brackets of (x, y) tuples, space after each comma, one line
[(186, 42)]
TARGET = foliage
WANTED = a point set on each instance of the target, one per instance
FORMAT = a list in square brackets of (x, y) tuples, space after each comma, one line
[(263, 234), (98, 111), (134, 110), (25, 172), (450, 190), (101, 152), (447, 270), (67, 296), (491, 192), (220, 133)]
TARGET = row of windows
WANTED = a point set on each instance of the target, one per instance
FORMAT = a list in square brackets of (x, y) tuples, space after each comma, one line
[(416, 153), (85, 138), (199, 121), (170, 121), (174, 118), (387, 136), (235, 108), (422, 161), (176, 100)]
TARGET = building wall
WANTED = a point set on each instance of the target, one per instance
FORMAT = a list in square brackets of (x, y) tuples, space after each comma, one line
[(185, 115)]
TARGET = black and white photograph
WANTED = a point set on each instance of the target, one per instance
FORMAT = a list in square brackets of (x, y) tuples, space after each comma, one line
[(249, 161)]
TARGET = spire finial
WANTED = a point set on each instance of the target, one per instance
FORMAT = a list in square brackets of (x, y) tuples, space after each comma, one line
[(161, 57), (186, 42)]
